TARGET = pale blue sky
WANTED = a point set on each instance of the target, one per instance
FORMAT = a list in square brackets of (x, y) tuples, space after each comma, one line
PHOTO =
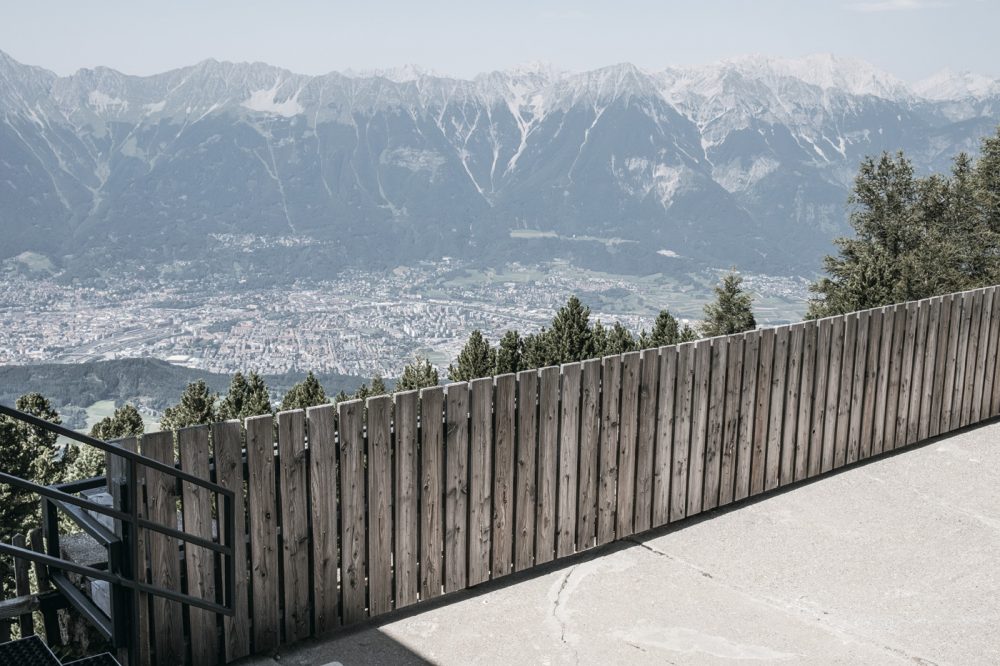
[(909, 38)]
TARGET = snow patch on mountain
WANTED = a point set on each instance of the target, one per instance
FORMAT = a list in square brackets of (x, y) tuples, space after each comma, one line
[(640, 177), (264, 101), (950, 85)]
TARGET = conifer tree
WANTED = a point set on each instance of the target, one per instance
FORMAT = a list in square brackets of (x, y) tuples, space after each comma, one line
[(666, 330), (477, 359), (569, 339), (599, 339), (537, 351), (196, 407), (417, 375), (87, 461), (307, 393), (248, 396), (509, 353), (731, 311), (619, 340)]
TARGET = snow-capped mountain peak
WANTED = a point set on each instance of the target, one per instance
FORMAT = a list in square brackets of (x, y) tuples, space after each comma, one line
[(950, 85)]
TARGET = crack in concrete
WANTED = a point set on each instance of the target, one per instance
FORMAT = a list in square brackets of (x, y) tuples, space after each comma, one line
[(555, 613)]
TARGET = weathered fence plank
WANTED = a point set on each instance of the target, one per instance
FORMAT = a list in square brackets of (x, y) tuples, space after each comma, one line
[(916, 382), (871, 377), (197, 505), (503, 476), (296, 581), (164, 562), (731, 424), (631, 369), (590, 442), (824, 332), (353, 560), (456, 511), (972, 354), (941, 367), (858, 387), (929, 379), (405, 461), (991, 395), (699, 426), (380, 506), (748, 404), (481, 478), (323, 493), (906, 375), (664, 435), (982, 349), (527, 451), (569, 459), (793, 386), (682, 431), (951, 378), (846, 386), (765, 368), (548, 464), (879, 437), (807, 390), (716, 414), (646, 441), (831, 413), (775, 421), (432, 475), (22, 586), (607, 476)]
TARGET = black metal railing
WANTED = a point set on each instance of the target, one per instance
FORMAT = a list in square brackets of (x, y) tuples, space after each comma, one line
[(126, 571)]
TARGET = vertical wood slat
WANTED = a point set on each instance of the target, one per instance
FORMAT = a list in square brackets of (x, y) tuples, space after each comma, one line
[(916, 381), (832, 393), (871, 377), (793, 388), (979, 384), (807, 392), (262, 510), (716, 414), (405, 460), (906, 375), (607, 476), (775, 421), (196, 502), (930, 379), (590, 443), (631, 369), (958, 399), (846, 387), (824, 332), (164, 559), (22, 586), (879, 437), (480, 477), (569, 455), (665, 424), (646, 439), (682, 431), (991, 394), (432, 484), (548, 464), (353, 559), (895, 376), (765, 367), (50, 618), (296, 581), (323, 493), (503, 476), (972, 355), (731, 424), (748, 404), (948, 403), (380, 508), (456, 493), (858, 374), (941, 366), (527, 451), (699, 426)]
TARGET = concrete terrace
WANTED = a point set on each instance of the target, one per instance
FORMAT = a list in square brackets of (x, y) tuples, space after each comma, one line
[(896, 561)]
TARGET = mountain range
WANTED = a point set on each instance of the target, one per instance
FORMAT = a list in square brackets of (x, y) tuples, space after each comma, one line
[(252, 169)]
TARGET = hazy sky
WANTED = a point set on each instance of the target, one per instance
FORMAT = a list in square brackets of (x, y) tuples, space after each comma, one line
[(910, 38)]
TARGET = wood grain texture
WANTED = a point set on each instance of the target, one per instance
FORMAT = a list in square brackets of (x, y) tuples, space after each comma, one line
[(607, 477), (527, 451), (323, 493), (824, 335), (917, 376), (961, 360), (118, 478), (503, 476), (748, 405), (832, 392), (793, 386), (982, 353), (699, 426), (776, 419), (404, 506), (548, 464), (456, 505), (569, 459), (590, 444), (765, 368), (906, 375), (631, 369), (895, 376), (951, 380), (871, 379), (882, 382), (646, 440), (682, 431), (858, 373), (716, 416), (481, 478), (846, 386), (432, 485), (991, 392), (664, 435), (971, 356), (930, 378), (296, 582), (941, 365), (807, 391), (164, 558), (380, 507), (731, 424), (197, 505), (353, 555)]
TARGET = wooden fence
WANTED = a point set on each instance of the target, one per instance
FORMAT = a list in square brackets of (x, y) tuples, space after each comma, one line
[(354, 511)]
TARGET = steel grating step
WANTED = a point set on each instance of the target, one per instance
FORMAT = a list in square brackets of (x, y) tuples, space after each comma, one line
[(104, 659), (30, 651)]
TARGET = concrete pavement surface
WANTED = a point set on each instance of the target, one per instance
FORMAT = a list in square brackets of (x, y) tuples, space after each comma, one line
[(896, 561)]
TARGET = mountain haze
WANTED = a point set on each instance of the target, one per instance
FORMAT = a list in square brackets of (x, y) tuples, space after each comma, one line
[(254, 169)]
